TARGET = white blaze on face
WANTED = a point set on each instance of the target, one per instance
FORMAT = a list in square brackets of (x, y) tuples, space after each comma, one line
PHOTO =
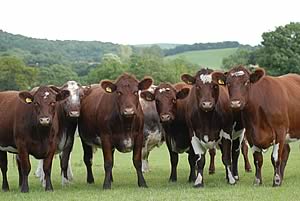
[(238, 73), (163, 89), (275, 152), (46, 94), (73, 87), (206, 78)]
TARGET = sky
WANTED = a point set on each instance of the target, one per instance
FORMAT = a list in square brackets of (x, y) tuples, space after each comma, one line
[(147, 21)]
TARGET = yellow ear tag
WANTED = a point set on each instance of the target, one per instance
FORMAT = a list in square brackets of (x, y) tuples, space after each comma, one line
[(108, 89), (28, 100), (221, 82)]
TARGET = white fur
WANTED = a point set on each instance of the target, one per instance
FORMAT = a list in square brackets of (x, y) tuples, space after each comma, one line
[(275, 152), (206, 78), (145, 166), (255, 149), (46, 95), (196, 144), (230, 177), (288, 139), (9, 149), (205, 138), (163, 90), (73, 87), (277, 179), (225, 135), (238, 73), (199, 179)]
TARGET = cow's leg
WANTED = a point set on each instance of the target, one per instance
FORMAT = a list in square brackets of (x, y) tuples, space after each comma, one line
[(3, 166), (191, 158), (200, 166), (24, 169), (285, 157), (88, 161), (235, 157), (145, 155), (38, 172), (212, 154), (226, 159), (112, 165), (108, 161), (245, 155), (19, 171), (65, 162), (276, 161), (174, 162), (258, 162), (137, 159), (47, 166)]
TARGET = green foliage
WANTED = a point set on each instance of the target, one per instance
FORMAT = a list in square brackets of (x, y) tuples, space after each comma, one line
[(55, 75), (15, 75), (244, 56), (280, 51)]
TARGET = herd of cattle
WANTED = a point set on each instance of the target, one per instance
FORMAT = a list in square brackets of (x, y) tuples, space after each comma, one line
[(206, 111)]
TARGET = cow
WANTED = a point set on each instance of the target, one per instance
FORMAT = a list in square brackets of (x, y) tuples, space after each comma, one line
[(153, 130), (170, 103), (29, 126), (68, 112), (211, 122), (270, 111), (112, 118)]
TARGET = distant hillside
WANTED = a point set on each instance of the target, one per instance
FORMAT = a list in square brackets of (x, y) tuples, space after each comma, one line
[(161, 45), (206, 58), (43, 52)]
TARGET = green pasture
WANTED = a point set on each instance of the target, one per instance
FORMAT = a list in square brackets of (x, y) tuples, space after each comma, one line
[(125, 186), (206, 58)]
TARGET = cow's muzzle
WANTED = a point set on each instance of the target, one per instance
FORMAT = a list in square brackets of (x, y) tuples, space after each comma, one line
[(45, 121), (129, 111), (74, 114), (235, 104)]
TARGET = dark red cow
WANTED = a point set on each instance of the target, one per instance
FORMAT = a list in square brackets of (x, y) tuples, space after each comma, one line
[(112, 118), (68, 112), (270, 109), (29, 125), (170, 104), (210, 121)]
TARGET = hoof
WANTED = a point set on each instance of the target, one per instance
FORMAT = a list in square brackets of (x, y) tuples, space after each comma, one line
[(248, 170), (211, 171), (106, 187), (276, 181), (257, 182), (143, 185), (198, 185), (172, 180)]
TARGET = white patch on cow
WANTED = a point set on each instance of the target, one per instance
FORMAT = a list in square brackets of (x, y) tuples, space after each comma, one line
[(255, 149), (145, 166), (127, 144), (62, 141), (230, 177), (9, 149), (288, 139), (277, 179), (46, 94), (239, 134), (206, 78), (256, 181), (275, 152), (73, 88), (199, 179), (238, 73), (205, 138), (163, 89), (39, 169), (196, 144), (225, 135)]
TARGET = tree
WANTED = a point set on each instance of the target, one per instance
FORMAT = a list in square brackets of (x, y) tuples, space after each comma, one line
[(15, 75), (280, 51), (244, 56)]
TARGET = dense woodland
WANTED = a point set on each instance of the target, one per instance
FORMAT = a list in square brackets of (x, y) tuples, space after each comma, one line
[(26, 62)]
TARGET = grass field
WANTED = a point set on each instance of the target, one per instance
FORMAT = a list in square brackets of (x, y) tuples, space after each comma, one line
[(206, 58), (125, 187)]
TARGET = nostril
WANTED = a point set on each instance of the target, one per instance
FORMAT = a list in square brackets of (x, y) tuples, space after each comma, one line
[(207, 104), (128, 111)]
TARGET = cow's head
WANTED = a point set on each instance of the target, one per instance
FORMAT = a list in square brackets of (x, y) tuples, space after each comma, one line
[(206, 88), (126, 92), (44, 100), (77, 93), (165, 96), (238, 80)]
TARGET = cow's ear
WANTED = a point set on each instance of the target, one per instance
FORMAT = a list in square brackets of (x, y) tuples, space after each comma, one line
[(145, 83), (54, 88), (62, 95), (26, 97), (219, 77), (256, 75), (182, 93), (147, 95), (87, 90), (188, 79), (108, 86)]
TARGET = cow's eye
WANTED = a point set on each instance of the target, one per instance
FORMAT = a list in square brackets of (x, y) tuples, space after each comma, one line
[(174, 100), (136, 93)]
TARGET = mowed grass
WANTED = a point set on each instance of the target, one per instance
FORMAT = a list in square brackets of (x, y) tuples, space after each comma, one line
[(125, 186), (206, 58)]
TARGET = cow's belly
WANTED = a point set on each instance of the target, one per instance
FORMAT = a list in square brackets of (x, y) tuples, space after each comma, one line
[(125, 144), (153, 139)]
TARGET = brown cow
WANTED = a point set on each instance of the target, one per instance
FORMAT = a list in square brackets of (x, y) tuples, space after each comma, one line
[(270, 111), (170, 104), (29, 125), (112, 117), (210, 121)]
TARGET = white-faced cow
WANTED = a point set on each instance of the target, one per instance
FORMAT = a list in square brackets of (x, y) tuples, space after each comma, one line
[(270, 109), (29, 126), (112, 118), (68, 112)]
